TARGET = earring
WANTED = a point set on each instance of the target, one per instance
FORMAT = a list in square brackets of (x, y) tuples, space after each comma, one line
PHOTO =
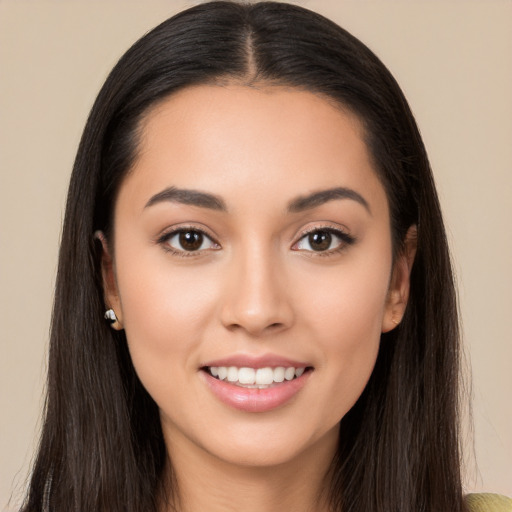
[(110, 316)]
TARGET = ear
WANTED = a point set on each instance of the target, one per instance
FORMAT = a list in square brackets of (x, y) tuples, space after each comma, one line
[(110, 291), (398, 293)]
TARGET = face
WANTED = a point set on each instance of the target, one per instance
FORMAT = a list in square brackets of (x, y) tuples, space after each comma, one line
[(252, 244)]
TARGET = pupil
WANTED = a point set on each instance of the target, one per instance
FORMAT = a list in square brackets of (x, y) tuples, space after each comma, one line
[(320, 240), (191, 240)]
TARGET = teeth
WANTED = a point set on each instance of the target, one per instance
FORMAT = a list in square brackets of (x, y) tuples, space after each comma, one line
[(247, 376), (232, 374), (264, 376), (279, 374), (260, 377), (289, 373)]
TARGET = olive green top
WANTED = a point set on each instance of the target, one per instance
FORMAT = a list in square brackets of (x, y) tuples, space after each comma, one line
[(486, 502)]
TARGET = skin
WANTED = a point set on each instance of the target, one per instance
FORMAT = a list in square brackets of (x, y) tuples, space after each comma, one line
[(258, 288)]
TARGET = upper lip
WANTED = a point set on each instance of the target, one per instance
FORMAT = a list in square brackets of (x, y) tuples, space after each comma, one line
[(262, 361)]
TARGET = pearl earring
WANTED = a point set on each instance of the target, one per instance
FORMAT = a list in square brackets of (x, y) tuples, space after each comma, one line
[(110, 316)]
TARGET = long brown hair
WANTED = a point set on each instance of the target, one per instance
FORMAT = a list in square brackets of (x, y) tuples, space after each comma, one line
[(101, 447)]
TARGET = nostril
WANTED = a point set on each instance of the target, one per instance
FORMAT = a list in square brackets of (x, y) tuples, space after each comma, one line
[(255, 316), (256, 329)]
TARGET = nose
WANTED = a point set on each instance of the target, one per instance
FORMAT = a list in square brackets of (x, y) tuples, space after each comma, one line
[(255, 298)]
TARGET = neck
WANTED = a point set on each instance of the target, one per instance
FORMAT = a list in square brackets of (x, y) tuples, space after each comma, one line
[(201, 481)]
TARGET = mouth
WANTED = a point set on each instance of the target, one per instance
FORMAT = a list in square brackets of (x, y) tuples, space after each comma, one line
[(256, 378), (256, 384)]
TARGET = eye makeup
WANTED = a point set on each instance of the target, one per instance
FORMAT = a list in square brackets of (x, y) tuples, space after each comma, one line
[(324, 241), (191, 241), (187, 241)]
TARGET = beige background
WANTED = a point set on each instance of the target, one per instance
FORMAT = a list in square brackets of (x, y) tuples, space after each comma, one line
[(454, 62)]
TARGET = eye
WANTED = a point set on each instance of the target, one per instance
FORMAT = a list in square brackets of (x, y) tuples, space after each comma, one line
[(188, 240), (324, 240)]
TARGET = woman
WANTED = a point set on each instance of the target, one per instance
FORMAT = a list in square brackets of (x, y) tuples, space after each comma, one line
[(252, 211)]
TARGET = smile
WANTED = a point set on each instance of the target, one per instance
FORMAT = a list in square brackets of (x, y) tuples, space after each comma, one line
[(256, 388), (255, 378)]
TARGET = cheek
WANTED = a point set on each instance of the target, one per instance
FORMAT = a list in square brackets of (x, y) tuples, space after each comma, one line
[(350, 303), (165, 313), (346, 320)]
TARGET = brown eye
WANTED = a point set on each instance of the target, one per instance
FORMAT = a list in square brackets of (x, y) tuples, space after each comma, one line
[(187, 241), (328, 240), (191, 240), (320, 240)]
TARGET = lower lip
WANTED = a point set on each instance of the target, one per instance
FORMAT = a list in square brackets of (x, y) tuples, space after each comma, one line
[(256, 400)]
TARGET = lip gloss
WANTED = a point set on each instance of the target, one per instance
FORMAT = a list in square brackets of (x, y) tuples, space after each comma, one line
[(253, 399)]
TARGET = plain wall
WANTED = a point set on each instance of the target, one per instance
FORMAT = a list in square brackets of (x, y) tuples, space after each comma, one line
[(454, 62)]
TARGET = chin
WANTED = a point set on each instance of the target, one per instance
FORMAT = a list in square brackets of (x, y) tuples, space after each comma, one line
[(271, 447)]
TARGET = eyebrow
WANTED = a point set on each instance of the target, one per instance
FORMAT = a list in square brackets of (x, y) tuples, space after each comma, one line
[(315, 199), (213, 202), (187, 196)]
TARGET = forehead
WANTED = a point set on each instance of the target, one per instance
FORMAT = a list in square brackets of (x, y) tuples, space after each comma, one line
[(231, 140), (258, 114)]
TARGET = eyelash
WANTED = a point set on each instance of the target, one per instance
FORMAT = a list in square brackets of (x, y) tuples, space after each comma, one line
[(345, 241), (344, 237), (164, 239)]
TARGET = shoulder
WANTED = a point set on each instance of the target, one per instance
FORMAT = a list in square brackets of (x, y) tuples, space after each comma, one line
[(487, 502)]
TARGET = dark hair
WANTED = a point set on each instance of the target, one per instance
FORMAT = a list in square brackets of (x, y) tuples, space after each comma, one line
[(101, 447)]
